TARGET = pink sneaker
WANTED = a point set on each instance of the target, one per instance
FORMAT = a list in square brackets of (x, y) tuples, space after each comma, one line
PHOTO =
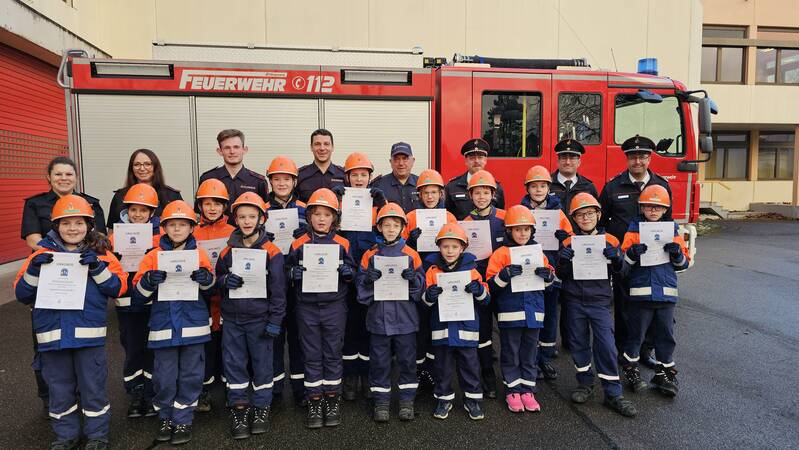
[(529, 402), (514, 403)]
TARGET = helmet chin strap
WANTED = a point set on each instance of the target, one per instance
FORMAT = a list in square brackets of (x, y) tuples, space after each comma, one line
[(255, 231)]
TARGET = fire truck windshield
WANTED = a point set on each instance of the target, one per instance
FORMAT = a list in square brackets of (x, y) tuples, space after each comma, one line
[(662, 122)]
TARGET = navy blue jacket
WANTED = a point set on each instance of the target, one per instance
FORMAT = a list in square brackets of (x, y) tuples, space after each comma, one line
[(589, 291), (294, 258)]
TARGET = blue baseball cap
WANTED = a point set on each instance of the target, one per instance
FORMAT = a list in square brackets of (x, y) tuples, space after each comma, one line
[(401, 148)]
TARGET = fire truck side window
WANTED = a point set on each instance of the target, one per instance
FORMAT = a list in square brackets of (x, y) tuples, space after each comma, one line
[(512, 124), (661, 122), (579, 117)]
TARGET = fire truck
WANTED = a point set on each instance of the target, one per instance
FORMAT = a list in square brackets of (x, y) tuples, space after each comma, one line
[(176, 105)]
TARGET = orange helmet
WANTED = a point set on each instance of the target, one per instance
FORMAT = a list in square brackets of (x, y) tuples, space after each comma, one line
[(392, 210), (141, 194), (323, 197), (212, 188), (519, 215), (452, 231), (358, 160), (71, 206), (583, 200), (429, 177), (282, 164), (178, 209), (251, 199), (654, 195), (482, 178), (537, 173)]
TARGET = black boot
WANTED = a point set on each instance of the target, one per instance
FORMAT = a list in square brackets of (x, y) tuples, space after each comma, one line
[(426, 382), (204, 402), (240, 422), (621, 406), (406, 412), (136, 403), (633, 377), (97, 444), (381, 413), (665, 380), (332, 410), (582, 393), (489, 380), (315, 416), (181, 434), (350, 388), (147, 409), (164, 431), (547, 371), (68, 444), (260, 420)]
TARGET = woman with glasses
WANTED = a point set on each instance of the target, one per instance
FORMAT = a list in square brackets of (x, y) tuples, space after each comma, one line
[(143, 167)]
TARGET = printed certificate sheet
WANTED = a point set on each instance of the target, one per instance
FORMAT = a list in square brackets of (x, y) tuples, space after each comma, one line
[(321, 268), (178, 265), (132, 240), (455, 304), (529, 257), (589, 262), (479, 233), (282, 223), (430, 222), (356, 210), (250, 265), (655, 235), (391, 285), (213, 247), (547, 222), (62, 283)]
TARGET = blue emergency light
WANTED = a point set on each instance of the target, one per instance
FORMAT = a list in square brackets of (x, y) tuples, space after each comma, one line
[(648, 66)]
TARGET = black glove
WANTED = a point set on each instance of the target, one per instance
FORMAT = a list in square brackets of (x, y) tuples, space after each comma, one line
[(545, 273), (565, 254), (233, 281), (303, 228), (269, 236), (432, 293), (510, 271), (202, 276), (635, 251), (36, 263), (378, 196), (561, 235), (346, 272), (89, 258), (475, 288), (413, 236), (152, 278), (373, 274), (613, 254), (296, 273), (338, 190), (272, 330), (408, 274), (673, 249)]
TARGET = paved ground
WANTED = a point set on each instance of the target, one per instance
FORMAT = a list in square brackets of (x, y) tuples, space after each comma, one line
[(738, 354)]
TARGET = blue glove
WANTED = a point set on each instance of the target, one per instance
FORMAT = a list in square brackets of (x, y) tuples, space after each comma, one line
[(565, 254), (296, 273), (346, 272), (432, 293), (510, 271), (561, 235), (408, 274), (272, 330), (338, 189), (475, 288), (545, 273), (673, 249), (378, 196), (233, 281), (89, 258), (413, 236), (613, 254), (202, 276), (636, 250), (373, 274), (36, 263), (152, 278), (300, 231)]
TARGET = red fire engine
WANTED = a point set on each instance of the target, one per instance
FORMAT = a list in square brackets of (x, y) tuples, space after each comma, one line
[(521, 107)]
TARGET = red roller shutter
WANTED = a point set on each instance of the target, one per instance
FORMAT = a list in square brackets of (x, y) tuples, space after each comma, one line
[(33, 129)]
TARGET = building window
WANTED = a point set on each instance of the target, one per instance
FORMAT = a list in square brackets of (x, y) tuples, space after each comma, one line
[(512, 124), (722, 63), (729, 158), (579, 117), (778, 65), (661, 122), (775, 156), (718, 31)]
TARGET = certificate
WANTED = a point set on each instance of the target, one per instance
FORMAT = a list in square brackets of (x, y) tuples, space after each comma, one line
[(250, 265), (430, 222), (455, 304), (282, 223), (321, 268), (62, 283), (479, 233), (132, 240), (589, 262), (655, 235), (356, 209), (213, 247), (547, 222), (530, 257), (391, 285), (178, 265)]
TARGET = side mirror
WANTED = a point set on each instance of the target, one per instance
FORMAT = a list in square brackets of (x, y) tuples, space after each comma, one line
[(649, 96), (706, 144), (705, 126)]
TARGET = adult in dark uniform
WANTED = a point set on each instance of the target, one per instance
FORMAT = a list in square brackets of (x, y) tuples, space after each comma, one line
[(237, 178), (143, 167), (399, 186), (62, 176), (566, 181), (321, 173), (457, 201), (619, 200)]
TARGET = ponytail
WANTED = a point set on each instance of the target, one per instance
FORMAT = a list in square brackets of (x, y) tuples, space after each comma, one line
[(98, 242)]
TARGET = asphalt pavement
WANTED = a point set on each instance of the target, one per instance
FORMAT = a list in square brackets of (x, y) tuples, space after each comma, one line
[(737, 356)]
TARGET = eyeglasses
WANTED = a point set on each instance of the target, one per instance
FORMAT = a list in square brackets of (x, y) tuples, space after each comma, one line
[(638, 157), (144, 165), (585, 215)]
